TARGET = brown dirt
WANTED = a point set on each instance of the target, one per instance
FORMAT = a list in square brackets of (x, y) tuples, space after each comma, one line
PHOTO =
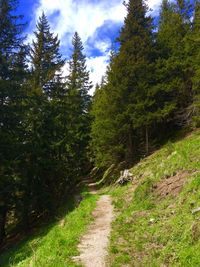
[(171, 186), (93, 245)]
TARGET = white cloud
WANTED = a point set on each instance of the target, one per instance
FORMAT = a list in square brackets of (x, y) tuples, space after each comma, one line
[(97, 67), (103, 46), (85, 17)]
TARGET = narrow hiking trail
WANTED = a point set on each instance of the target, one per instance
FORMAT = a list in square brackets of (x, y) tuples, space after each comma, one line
[(94, 244)]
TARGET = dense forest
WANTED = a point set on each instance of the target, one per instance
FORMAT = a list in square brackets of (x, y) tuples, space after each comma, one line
[(52, 132)]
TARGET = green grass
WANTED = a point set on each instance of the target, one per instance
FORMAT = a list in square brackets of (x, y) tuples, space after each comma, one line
[(152, 231), (148, 231), (55, 245)]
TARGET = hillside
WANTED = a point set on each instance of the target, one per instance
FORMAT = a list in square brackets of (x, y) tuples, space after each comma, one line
[(155, 225)]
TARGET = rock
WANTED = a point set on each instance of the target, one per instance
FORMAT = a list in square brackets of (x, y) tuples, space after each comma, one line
[(152, 220), (195, 211), (125, 177)]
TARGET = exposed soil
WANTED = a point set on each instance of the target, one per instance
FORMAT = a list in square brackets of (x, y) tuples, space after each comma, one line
[(93, 245), (172, 185)]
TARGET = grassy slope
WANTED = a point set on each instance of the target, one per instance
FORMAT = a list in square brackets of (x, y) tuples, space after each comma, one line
[(153, 231), (56, 244)]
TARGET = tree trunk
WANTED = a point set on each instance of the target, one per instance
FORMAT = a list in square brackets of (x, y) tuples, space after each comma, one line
[(3, 213), (129, 151), (26, 223), (147, 140)]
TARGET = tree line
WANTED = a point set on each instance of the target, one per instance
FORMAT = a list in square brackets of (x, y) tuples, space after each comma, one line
[(44, 121), (152, 86)]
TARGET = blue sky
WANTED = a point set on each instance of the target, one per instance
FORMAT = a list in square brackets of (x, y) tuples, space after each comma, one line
[(97, 21)]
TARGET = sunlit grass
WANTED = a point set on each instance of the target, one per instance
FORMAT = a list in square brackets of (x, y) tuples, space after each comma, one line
[(152, 231), (56, 244)]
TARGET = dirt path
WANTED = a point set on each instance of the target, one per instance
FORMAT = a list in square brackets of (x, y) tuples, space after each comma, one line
[(94, 244)]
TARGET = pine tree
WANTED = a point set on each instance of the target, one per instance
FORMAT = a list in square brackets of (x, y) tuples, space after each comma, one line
[(173, 74), (193, 56), (78, 79), (46, 58), (10, 118), (105, 145), (126, 93), (78, 85), (45, 135)]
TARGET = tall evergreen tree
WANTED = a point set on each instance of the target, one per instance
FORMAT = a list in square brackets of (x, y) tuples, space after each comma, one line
[(46, 94), (78, 85), (78, 79), (46, 58), (173, 74), (126, 93), (10, 90), (193, 57)]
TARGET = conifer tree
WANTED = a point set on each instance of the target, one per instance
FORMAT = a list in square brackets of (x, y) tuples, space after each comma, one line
[(193, 49), (78, 79), (136, 40), (78, 85), (105, 143), (46, 98), (46, 58), (10, 43), (126, 93), (173, 73)]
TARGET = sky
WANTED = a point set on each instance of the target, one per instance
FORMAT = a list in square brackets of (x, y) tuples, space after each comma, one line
[(98, 23)]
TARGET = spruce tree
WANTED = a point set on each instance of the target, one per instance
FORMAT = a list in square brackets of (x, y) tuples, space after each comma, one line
[(46, 58), (136, 40), (173, 74), (105, 143), (10, 115), (126, 93), (193, 56), (46, 98), (78, 79), (78, 86)]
